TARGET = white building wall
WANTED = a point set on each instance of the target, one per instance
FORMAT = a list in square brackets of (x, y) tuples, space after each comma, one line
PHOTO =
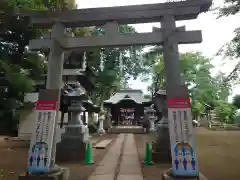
[(27, 125)]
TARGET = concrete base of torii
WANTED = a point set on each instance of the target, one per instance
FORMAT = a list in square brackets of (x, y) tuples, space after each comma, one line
[(169, 176), (57, 173)]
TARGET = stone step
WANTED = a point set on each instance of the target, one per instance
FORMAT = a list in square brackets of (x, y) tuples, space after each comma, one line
[(127, 129), (102, 144)]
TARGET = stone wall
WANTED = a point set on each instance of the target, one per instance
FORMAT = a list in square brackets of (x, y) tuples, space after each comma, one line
[(218, 126)]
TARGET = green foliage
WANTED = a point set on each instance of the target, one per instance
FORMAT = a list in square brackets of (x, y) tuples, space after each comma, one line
[(196, 72), (225, 112), (18, 66), (203, 88), (114, 74), (33, 5), (237, 117), (236, 101), (230, 7), (231, 49), (197, 108), (62, 5)]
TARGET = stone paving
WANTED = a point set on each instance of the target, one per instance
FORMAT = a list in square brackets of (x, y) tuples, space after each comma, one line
[(106, 168), (129, 168)]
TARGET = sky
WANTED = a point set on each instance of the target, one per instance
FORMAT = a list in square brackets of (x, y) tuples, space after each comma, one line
[(216, 32)]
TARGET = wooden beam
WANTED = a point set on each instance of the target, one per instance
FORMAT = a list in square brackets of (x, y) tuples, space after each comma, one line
[(183, 10), (155, 38)]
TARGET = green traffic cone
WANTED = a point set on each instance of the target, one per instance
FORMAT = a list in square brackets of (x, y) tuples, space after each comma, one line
[(88, 155), (148, 155)]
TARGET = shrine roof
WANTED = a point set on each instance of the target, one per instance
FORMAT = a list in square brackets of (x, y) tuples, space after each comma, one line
[(127, 94)]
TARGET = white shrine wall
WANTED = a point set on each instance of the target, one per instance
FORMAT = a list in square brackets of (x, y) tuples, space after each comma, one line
[(27, 124), (27, 121)]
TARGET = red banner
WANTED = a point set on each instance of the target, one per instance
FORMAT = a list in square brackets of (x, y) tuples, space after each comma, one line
[(46, 105), (179, 103)]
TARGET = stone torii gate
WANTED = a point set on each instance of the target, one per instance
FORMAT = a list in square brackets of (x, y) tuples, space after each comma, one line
[(168, 35)]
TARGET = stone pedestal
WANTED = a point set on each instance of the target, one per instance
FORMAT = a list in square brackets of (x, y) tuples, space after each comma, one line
[(57, 174), (86, 135), (161, 150), (70, 150), (72, 147), (152, 127), (169, 176), (161, 147)]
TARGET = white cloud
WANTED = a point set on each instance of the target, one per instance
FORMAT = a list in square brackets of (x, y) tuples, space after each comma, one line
[(216, 32)]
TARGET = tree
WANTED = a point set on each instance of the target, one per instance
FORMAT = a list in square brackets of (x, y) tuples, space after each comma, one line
[(236, 101), (231, 49), (115, 67), (196, 72), (197, 109), (225, 112), (18, 66)]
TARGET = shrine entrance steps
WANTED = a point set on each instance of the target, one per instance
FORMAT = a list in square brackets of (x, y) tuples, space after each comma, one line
[(127, 129), (121, 161)]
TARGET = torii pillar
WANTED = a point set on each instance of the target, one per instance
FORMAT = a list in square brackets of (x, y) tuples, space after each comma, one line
[(161, 148), (170, 53), (53, 87), (174, 82), (55, 71)]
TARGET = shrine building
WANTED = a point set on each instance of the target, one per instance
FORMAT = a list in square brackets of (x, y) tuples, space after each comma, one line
[(127, 106)]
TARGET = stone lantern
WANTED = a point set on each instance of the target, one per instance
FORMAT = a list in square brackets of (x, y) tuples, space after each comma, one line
[(72, 145), (161, 147), (150, 113)]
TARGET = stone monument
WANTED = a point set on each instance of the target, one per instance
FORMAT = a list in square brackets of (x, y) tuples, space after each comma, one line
[(161, 147), (72, 145), (107, 124), (150, 114), (101, 118)]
